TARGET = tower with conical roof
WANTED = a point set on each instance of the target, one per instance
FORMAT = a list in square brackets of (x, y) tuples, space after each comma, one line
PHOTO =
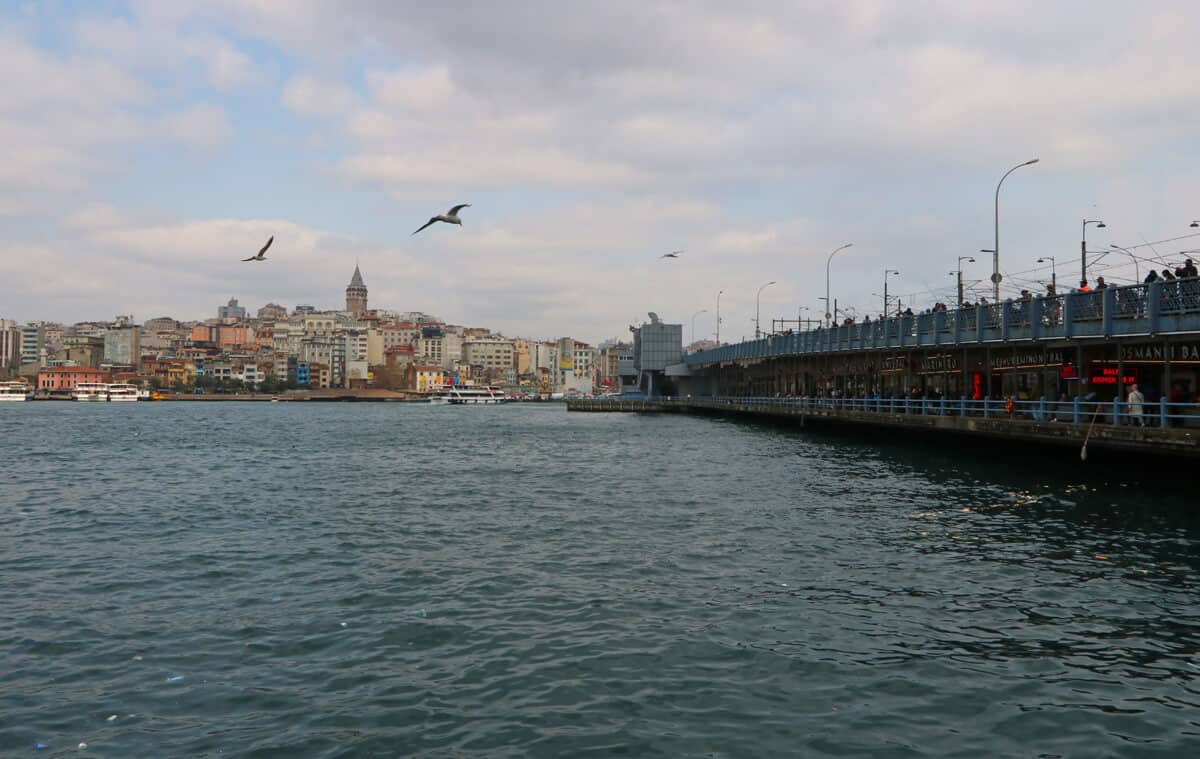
[(356, 294)]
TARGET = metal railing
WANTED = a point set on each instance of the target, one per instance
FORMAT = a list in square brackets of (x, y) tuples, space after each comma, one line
[(1075, 411), (1155, 308)]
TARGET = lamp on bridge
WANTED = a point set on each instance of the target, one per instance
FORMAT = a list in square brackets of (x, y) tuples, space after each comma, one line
[(886, 272), (1053, 272), (1083, 246), (968, 259), (757, 332)]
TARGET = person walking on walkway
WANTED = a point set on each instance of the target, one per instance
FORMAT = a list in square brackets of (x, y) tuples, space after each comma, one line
[(1136, 399)]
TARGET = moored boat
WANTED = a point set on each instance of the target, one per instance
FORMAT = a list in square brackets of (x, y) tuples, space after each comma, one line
[(15, 391), (90, 392), (475, 394), (122, 392)]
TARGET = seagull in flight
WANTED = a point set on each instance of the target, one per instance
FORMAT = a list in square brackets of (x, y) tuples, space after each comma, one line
[(262, 252), (450, 217), (672, 254)]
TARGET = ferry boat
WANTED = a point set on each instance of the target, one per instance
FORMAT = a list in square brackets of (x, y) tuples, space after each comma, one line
[(122, 391), (15, 391), (461, 395), (90, 391)]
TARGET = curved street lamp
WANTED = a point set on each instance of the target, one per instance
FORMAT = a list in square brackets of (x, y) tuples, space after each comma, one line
[(828, 302), (886, 272), (1053, 272), (719, 317), (1083, 246), (1137, 270), (701, 311), (996, 248), (757, 332), (958, 271)]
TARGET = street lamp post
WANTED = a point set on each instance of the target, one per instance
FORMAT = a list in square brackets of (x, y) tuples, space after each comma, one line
[(757, 332), (719, 317), (996, 248), (1137, 270), (1053, 274), (701, 311), (800, 316), (1083, 247), (886, 272), (828, 302), (968, 259)]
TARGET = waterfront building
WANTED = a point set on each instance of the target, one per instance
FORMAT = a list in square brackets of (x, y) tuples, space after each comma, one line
[(65, 378), (302, 374), (656, 346), (160, 324), (356, 295), (424, 378), (231, 311)]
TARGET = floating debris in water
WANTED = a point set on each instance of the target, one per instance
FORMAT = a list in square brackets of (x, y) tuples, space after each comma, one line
[(418, 613), (175, 679), (39, 746), (343, 624), (111, 718), (136, 657), (1101, 557), (82, 746)]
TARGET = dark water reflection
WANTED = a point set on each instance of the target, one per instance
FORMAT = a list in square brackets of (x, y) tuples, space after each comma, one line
[(379, 580)]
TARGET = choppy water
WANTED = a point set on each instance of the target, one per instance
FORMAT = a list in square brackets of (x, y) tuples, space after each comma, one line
[(378, 580)]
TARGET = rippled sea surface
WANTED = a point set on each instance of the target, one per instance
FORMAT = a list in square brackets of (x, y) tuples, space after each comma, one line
[(293, 580)]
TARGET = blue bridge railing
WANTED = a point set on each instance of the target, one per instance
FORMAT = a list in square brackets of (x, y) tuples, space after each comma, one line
[(1076, 411), (1155, 308)]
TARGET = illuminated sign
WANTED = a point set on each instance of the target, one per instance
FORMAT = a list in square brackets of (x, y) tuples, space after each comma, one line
[(1107, 375)]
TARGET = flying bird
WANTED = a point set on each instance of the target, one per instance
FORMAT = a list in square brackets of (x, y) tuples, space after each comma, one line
[(262, 252), (450, 217), (672, 254)]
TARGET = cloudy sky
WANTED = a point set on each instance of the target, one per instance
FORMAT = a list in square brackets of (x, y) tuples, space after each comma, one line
[(146, 146)]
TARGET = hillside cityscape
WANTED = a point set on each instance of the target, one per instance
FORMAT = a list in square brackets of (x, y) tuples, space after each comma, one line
[(275, 349)]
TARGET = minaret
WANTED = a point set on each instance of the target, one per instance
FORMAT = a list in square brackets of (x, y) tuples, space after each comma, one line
[(356, 294)]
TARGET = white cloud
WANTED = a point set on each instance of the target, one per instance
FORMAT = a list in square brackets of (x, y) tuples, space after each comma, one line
[(310, 96), (201, 126)]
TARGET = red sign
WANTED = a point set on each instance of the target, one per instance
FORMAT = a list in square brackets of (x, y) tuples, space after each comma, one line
[(1068, 372), (1107, 375)]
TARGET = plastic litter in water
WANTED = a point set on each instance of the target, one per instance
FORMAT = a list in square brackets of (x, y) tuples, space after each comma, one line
[(418, 613), (175, 679), (39, 746), (112, 718), (137, 657), (343, 624), (82, 745)]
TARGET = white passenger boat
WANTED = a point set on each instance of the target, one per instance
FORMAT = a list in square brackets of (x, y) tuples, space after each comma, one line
[(122, 391), (472, 394), (15, 391), (90, 391)]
